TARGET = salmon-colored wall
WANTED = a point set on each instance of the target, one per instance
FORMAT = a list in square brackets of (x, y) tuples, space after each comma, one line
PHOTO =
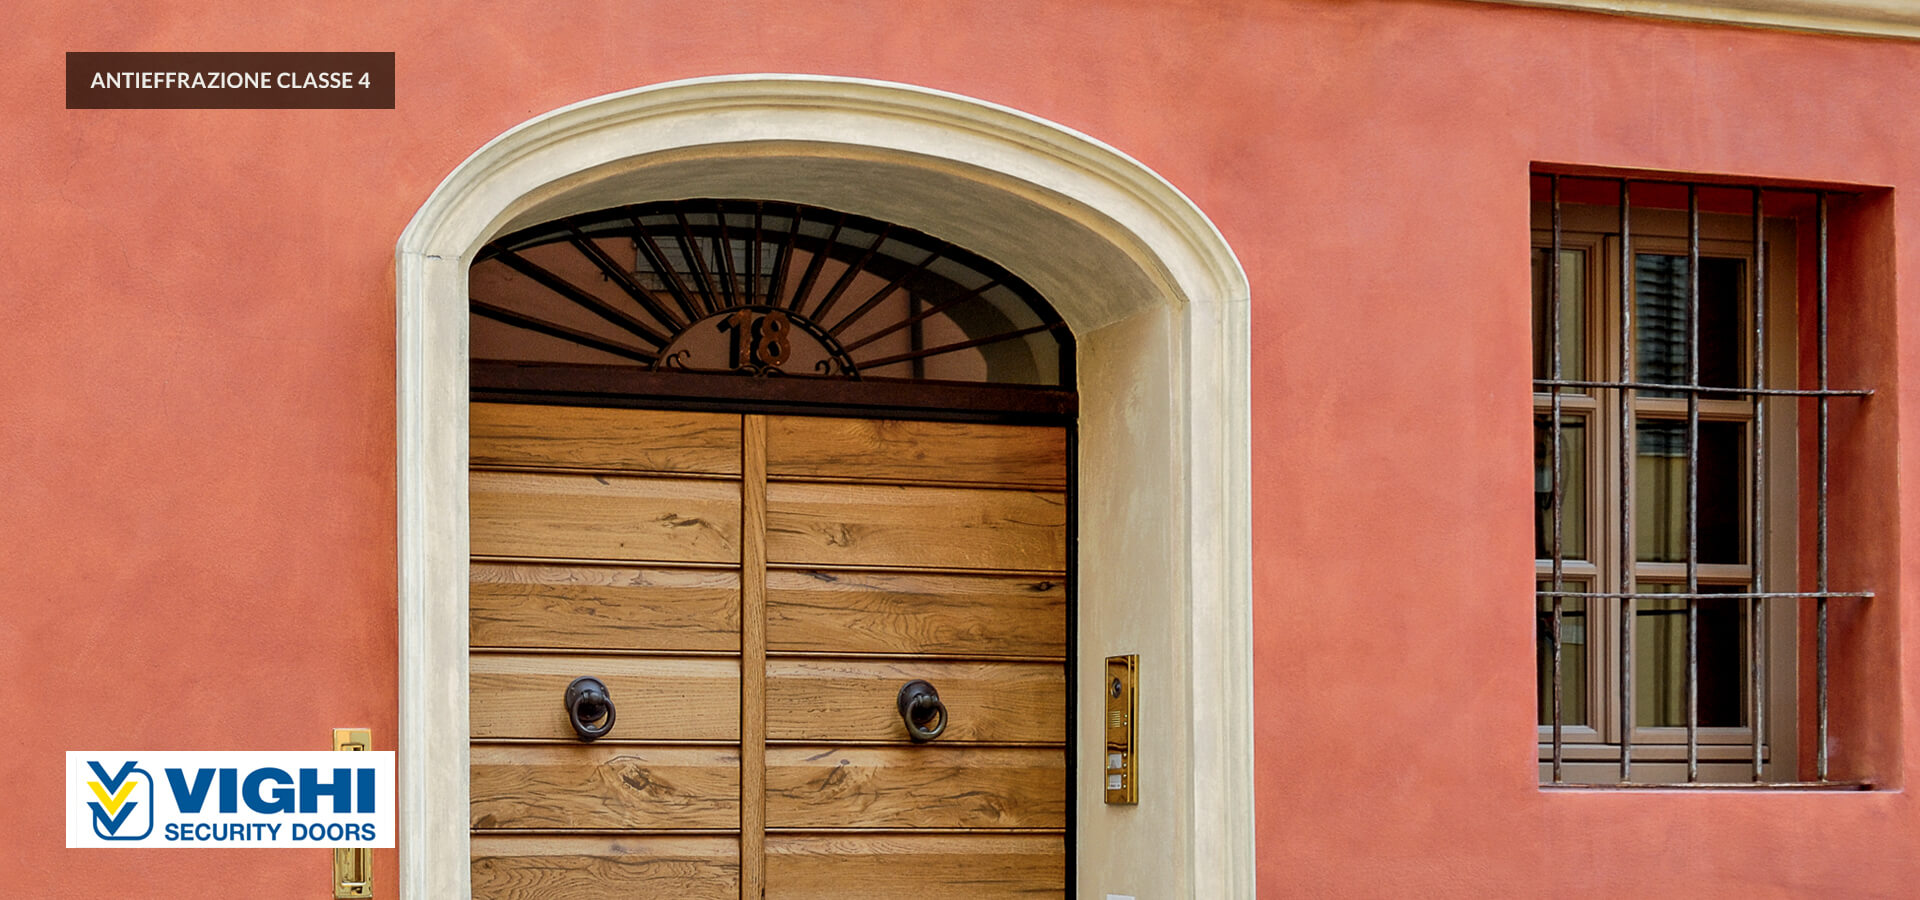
[(197, 438)]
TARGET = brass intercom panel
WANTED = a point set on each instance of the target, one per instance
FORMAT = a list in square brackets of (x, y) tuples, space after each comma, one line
[(1122, 681), (352, 866)]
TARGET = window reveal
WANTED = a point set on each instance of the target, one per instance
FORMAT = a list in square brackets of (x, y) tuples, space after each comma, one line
[(1671, 646)]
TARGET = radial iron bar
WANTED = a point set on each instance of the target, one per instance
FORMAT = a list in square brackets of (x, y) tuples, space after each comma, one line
[(759, 270)]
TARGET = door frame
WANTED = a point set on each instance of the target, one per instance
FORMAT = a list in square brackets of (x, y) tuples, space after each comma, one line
[(1158, 306)]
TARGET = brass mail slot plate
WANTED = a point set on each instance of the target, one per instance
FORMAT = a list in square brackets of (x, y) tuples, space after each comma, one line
[(1121, 769)]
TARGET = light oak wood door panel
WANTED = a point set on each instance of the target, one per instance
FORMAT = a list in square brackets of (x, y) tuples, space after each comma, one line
[(603, 607), (890, 525), (593, 868), (579, 437), (897, 450), (609, 517), (928, 786), (908, 613), (663, 699), (599, 530), (603, 786), (921, 867), (856, 700)]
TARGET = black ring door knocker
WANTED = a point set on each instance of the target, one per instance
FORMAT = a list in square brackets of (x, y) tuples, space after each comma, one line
[(920, 708), (588, 701)]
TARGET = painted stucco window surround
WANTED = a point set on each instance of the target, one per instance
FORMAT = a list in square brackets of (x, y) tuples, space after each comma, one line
[(1158, 307)]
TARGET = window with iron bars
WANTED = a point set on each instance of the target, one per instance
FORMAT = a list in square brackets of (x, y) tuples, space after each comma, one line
[(1673, 614)]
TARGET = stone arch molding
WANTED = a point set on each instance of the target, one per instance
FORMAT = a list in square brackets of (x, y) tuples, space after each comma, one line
[(1157, 303)]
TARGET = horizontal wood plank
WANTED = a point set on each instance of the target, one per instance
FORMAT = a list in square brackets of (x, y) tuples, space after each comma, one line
[(654, 698), (857, 700), (927, 786), (890, 525), (604, 786), (903, 450), (604, 517), (586, 437), (603, 607), (591, 868), (566, 515), (922, 867), (883, 612)]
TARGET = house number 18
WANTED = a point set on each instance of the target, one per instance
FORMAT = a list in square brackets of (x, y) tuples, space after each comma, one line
[(761, 340)]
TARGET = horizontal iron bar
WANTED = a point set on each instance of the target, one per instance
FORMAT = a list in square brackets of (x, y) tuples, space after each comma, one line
[(1767, 595), (1701, 389), (1716, 786)]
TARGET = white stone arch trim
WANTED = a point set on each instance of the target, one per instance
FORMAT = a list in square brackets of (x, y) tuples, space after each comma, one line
[(1130, 263)]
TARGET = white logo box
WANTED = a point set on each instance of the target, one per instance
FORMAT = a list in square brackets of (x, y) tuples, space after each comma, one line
[(230, 798)]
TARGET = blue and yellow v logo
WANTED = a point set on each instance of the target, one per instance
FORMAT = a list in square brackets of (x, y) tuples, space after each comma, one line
[(115, 804)]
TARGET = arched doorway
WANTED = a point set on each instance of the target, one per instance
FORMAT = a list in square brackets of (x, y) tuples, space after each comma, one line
[(1158, 309), (792, 486)]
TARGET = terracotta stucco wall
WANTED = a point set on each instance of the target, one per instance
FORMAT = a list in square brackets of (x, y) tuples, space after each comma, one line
[(196, 435)]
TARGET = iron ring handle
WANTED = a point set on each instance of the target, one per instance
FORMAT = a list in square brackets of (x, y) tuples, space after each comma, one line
[(921, 711), (588, 701)]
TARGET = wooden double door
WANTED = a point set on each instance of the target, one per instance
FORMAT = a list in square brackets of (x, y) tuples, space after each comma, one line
[(754, 591)]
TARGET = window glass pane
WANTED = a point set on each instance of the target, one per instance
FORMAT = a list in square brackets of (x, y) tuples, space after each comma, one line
[(1660, 320), (1660, 498), (1573, 498), (1573, 315), (1660, 658), (1573, 657)]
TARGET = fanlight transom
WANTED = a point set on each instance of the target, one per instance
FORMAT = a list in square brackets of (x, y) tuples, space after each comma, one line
[(760, 288)]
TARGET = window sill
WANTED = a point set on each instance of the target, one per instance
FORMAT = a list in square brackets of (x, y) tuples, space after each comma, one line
[(1831, 786)]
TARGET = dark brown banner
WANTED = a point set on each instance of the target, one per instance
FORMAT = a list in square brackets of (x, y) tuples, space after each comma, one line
[(229, 81)]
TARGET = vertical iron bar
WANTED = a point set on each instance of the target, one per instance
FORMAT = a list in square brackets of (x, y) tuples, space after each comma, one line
[(657, 259), (753, 254), (916, 336), (1821, 547), (723, 251), (1757, 504), (777, 279), (1628, 553), (1559, 479), (805, 288), (690, 250), (1693, 483)]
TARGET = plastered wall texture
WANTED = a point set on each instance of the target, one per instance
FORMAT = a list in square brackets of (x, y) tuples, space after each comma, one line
[(197, 427)]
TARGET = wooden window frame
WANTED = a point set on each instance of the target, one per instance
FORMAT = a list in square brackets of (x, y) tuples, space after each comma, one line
[(1591, 749)]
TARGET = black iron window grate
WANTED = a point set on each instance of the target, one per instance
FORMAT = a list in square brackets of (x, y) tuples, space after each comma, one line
[(1670, 355)]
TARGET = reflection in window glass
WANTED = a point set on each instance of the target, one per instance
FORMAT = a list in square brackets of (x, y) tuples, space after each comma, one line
[(1573, 657), (1660, 656), (1660, 320), (1573, 315), (1660, 499), (1573, 498)]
